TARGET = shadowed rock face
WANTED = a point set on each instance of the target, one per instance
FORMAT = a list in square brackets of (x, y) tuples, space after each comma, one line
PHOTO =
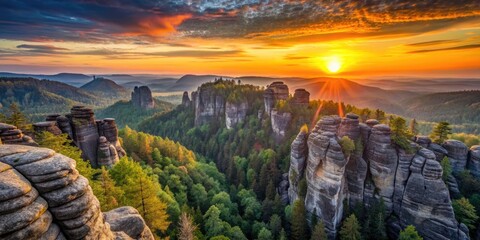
[(280, 122), (185, 99), (234, 113), (301, 97), (42, 196), (274, 92), (410, 184), (142, 98), (85, 132), (49, 126), (457, 154), (209, 105), (474, 161)]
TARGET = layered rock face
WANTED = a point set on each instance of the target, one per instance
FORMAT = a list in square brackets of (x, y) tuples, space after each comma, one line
[(42, 196), (9, 134), (97, 139), (457, 154), (185, 99), (142, 98), (409, 184), (301, 97), (474, 161), (209, 105), (280, 122), (234, 113)]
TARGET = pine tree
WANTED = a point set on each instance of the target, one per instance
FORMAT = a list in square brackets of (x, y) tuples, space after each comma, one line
[(319, 232), (270, 191), (399, 133), (299, 220), (350, 229), (17, 118), (264, 234), (440, 132), (465, 212), (446, 167), (186, 227), (409, 233)]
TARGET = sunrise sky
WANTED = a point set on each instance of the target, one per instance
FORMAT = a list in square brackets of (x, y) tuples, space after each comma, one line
[(244, 37)]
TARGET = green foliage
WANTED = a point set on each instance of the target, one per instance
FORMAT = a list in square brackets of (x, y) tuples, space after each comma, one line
[(468, 139), (440, 132), (413, 127), (17, 118), (399, 133), (468, 183), (409, 233), (264, 234), (350, 229), (347, 144), (319, 232), (299, 221), (465, 212), (109, 195), (447, 168)]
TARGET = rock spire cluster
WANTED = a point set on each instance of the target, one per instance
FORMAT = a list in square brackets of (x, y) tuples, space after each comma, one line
[(142, 98)]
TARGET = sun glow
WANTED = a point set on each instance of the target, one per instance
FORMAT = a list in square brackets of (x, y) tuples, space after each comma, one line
[(334, 65)]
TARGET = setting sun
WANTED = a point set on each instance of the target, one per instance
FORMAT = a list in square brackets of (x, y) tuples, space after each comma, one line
[(334, 65)]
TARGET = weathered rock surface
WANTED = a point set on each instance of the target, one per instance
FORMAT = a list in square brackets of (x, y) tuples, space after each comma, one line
[(298, 161), (129, 221), (474, 161), (280, 122), (86, 132), (274, 92), (234, 113), (409, 183), (457, 154), (9, 134), (142, 98), (42, 196), (185, 99)]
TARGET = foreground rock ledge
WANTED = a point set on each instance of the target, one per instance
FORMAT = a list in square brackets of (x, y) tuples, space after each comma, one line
[(42, 196)]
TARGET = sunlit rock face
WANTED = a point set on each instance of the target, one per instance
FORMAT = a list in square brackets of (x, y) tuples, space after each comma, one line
[(85, 132), (10, 134), (301, 97), (280, 122), (234, 113), (274, 92), (409, 183), (142, 98), (185, 99), (209, 105), (49, 126), (44, 197)]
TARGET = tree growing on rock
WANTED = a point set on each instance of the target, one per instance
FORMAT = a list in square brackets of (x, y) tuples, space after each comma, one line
[(350, 229), (319, 232), (446, 167), (17, 118), (465, 212), (348, 146), (399, 133), (409, 233), (440, 132)]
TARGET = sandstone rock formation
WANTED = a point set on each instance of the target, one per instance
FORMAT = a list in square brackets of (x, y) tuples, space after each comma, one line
[(42, 196), (97, 139), (280, 122), (457, 154), (209, 105), (185, 99), (275, 91), (301, 97), (409, 183), (234, 113), (9, 134), (474, 161), (142, 98)]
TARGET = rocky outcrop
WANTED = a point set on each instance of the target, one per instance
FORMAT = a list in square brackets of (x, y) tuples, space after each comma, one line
[(209, 105), (127, 220), (97, 139), (474, 161), (409, 182), (142, 98), (185, 99), (457, 154), (274, 92), (235, 112), (10, 134), (280, 122), (42, 196), (298, 160), (301, 97)]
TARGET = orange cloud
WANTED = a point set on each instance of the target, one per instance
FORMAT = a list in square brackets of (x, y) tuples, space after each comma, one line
[(158, 26)]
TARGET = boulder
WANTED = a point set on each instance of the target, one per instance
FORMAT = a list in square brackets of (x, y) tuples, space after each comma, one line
[(107, 154), (50, 126), (9, 134), (129, 221)]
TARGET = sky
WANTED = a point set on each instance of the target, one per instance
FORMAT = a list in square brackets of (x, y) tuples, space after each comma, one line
[(306, 38)]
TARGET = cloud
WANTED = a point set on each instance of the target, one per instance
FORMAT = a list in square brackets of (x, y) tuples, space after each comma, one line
[(463, 47), (431, 43), (199, 53), (47, 49)]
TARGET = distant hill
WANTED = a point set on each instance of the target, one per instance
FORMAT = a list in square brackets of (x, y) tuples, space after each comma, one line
[(454, 107), (42, 96), (106, 88), (74, 79), (190, 82), (126, 114)]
